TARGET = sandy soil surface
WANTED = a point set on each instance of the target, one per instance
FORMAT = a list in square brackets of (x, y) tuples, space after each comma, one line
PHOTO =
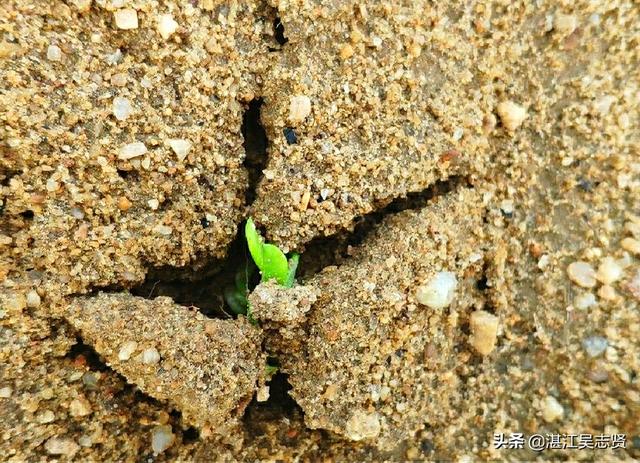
[(462, 180)]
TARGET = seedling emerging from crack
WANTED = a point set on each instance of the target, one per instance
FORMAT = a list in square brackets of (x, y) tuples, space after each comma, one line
[(271, 261)]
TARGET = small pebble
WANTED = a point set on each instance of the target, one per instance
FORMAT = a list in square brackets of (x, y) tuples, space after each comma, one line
[(46, 417), (54, 53), (609, 271), (163, 230), (5, 392), (124, 204), (585, 301), (162, 438), (595, 345), (484, 331), (126, 350), (61, 446), (603, 104), (150, 356), (346, 51), (632, 245), (153, 204), (299, 108), (33, 299), (607, 293), (511, 114), (439, 292), (126, 18), (363, 425), (180, 147), (132, 150), (551, 409), (121, 108), (582, 274), (263, 394), (564, 24), (79, 407), (90, 379), (166, 26), (290, 136), (119, 80)]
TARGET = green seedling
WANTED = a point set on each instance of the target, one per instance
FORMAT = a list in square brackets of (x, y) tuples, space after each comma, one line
[(270, 370), (271, 261)]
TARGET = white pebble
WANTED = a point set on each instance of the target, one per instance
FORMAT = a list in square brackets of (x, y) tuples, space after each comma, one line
[(582, 274), (126, 18), (163, 230), (167, 26), (439, 292), (511, 114), (484, 331), (5, 392), (150, 356), (585, 301), (162, 438), (263, 394), (551, 409), (299, 108), (132, 150), (121, 108), (180, 147), (79, 407), (52, 184), (564, 24), (33, 299), (603, 104), (61, 446), (595, 345), (126, 350), (363, 425), (46, 417), (153, 204), (54, 53), (609, 271)]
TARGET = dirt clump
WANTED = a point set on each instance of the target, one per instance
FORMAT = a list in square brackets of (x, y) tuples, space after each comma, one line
[(207, 368), (376, 363)]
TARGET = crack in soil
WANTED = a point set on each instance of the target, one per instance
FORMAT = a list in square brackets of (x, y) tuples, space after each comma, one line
[(85, 354), (202, 286), (323, 251)]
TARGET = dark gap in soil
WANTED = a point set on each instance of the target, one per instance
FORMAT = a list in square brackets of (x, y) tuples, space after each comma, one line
[(278, 31), (203, 288), (279, 405), (332, 250), (255, 146), (81, 352)]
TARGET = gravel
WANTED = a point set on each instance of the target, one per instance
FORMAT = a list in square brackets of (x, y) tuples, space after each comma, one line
[(439, 291), (582, 274), (595, 345)]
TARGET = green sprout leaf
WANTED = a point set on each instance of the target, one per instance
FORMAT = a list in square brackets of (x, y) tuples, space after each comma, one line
[(269, 258), (293, 266)]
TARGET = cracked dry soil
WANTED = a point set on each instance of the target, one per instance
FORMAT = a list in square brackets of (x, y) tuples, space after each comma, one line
[(393, 144)]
